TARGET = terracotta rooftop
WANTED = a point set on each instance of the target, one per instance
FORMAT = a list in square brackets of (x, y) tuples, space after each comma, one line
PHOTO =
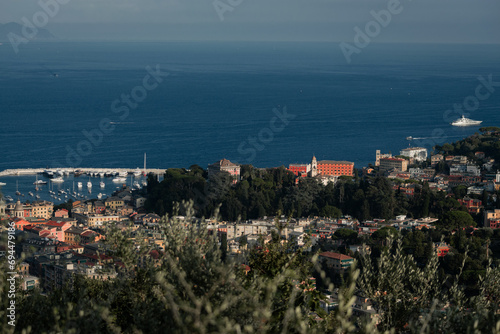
[(332, 162), (337, 256), (224, 163)]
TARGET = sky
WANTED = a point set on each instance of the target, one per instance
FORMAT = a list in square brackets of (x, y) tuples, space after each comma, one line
[(418, 21)]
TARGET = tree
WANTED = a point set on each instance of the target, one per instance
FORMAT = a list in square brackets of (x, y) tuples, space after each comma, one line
[(398, 289), (384, 233), (243, 241), (345, 234), (447, 148), (456, 219), (331, 212)]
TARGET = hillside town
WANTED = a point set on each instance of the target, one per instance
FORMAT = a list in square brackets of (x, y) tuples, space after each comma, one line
[(56, 243)]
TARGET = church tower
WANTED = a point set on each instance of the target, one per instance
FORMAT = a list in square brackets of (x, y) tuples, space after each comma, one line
[(314, 167), (19, 210), (3, 206)]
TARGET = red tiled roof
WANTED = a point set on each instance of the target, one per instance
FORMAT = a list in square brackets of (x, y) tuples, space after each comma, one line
[(337, 256), (332, 162), (224, 163), (392, 159), (55, 223)]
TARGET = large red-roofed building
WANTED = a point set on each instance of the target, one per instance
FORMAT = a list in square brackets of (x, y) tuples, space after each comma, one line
[(338, 262)]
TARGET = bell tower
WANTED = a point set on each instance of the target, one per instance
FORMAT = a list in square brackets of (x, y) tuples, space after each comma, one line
[(2, 207), (314, 167)]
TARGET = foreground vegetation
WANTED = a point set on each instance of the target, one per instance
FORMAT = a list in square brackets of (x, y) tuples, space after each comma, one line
[(194, 288)]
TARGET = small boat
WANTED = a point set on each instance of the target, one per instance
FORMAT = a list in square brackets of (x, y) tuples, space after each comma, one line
[(80, 184), (120, 180), (137, 172), (31, 194), (463, 121), (37, 196), (102, 184), (58, 180), (123, 174), (89, 184), (99, 196), (9, 198), (2, 184)]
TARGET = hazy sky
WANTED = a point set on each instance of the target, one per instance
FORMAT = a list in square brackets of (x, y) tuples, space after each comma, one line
[(455, 21)]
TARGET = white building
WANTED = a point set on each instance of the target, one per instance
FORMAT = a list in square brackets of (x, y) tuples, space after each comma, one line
[(417, 153), (468, 169)]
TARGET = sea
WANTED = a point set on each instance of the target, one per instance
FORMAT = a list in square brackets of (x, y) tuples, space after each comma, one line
[(105, 104)]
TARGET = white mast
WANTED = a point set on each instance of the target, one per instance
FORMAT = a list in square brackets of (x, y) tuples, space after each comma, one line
[(144, 172)]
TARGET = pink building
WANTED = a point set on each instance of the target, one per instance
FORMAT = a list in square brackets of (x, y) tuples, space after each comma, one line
[(51, 230), (227, 166), (61, 213)]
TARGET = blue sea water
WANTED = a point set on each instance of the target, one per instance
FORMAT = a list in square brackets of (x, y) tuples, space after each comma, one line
[(218, 94)]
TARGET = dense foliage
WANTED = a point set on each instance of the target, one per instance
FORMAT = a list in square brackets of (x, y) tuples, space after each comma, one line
[(190, 289), (264, 192)]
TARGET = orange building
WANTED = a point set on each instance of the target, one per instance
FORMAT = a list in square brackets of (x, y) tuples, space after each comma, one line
[(300, 169), (492, 218), (441, 248), (335, 168)]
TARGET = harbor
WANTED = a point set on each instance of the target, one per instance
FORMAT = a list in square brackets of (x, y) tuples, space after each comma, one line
[(67, 171), (60, 185)]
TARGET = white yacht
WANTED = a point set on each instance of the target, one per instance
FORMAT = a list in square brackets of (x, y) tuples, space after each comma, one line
[(465, 122), (80, 184), (102, 184), (58, 180), (89, 184), (137, 172)]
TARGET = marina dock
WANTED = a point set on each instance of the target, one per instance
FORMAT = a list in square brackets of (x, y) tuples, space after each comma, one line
[(34, 171)]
